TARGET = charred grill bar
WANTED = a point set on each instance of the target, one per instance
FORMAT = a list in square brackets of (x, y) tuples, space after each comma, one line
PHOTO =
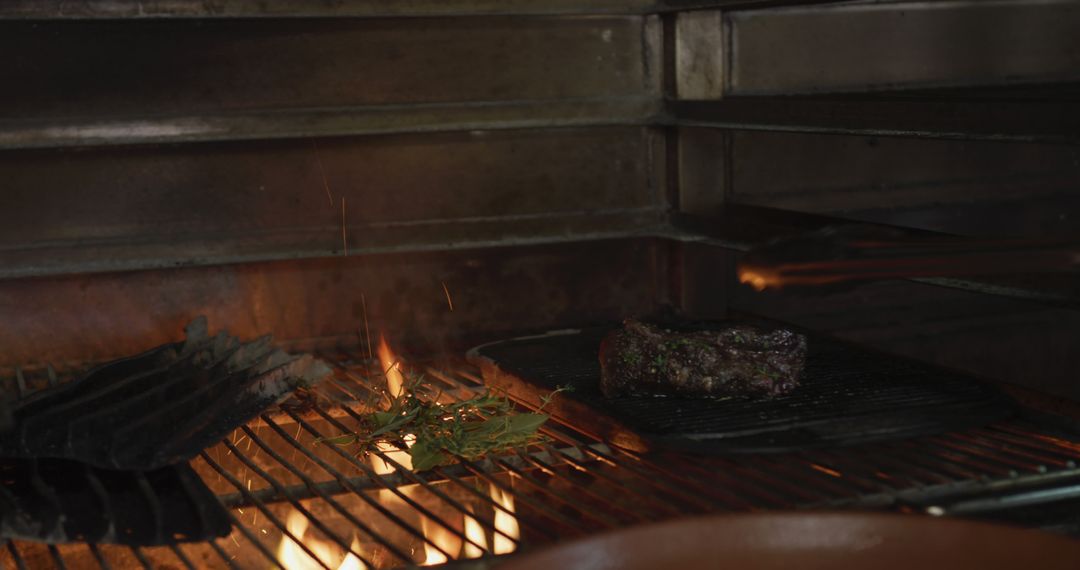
[(458, 172)]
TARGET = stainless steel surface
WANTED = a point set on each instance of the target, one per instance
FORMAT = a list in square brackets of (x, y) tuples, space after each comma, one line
[(964, 116), (700, 55), (104, 9), (186, 68), (101, 9), (975, 188), (123, 208), (873, 46), (332, 122)]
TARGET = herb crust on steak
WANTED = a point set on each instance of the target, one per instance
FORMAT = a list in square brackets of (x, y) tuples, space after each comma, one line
[(738, 360)]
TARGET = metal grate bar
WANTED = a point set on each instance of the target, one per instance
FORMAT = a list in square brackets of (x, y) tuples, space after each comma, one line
[(499, 507), (261, 506), (408, 475), (19, 562), (336, 538), (869, 478), (179, 553), (348, 485), (572, 485), (138, 553), (1039, 440), (57, 559), (96, 553), (403, 556), (982, 465), (1016, 446), (1005, 455), (665, 482), (754, 493), (601, 519), (228, 560), (547, 512), (247, 534), (539, 507), (635, 515), (386, 483)]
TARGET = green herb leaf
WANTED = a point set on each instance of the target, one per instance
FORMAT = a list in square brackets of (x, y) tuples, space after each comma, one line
[(522, 424), (342, 439), (486, 423), (425, 455)]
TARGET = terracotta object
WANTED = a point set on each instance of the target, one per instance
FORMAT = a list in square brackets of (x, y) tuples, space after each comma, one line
[(833, 541)]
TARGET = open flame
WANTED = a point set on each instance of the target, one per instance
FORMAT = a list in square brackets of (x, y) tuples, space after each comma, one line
[(351, 562), (293, 557), (391, 368), (437, 534), (439, 541), (476, 534), (505, 522)]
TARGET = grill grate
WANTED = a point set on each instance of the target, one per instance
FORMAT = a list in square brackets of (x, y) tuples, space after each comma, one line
[(846, 396), (279, 480)]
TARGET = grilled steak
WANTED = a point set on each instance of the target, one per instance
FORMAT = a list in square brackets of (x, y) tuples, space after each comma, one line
[(740, 360)]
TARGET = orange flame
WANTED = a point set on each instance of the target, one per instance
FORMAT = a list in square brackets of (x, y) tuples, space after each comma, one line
[(351, 561), (475, 533), (293, 557), (446, 540), (505, 521), (759, 279), (391, 367), (440, 541)]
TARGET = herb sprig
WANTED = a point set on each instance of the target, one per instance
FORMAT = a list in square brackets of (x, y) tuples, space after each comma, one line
[(470, 428)]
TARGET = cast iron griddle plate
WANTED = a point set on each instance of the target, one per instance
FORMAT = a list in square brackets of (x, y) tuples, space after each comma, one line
[(846, 395), (160, 407), (57, 500)]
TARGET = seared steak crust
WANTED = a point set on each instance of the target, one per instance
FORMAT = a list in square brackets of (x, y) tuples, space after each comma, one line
[(740, 360)]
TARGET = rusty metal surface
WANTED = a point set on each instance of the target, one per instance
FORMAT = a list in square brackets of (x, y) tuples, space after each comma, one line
[(160, 206), (859, 47), (112, 68), (100, 316)]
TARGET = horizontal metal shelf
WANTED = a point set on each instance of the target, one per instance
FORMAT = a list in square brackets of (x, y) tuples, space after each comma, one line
[(1017, 120), (865, 47), (109, 9), (301, 123)]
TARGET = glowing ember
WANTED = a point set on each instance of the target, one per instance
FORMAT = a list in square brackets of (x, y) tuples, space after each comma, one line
[(826, 470), (505, 522), (759, 278), (391, 367), (293, 557)]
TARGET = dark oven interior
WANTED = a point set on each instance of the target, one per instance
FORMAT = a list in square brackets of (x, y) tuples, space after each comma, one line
[(454, 174)]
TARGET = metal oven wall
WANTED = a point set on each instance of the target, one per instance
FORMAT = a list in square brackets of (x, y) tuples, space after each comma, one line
[(956, 117), (158, 168)]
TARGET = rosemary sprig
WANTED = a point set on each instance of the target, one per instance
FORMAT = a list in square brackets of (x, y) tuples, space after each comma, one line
[(470, 428)]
